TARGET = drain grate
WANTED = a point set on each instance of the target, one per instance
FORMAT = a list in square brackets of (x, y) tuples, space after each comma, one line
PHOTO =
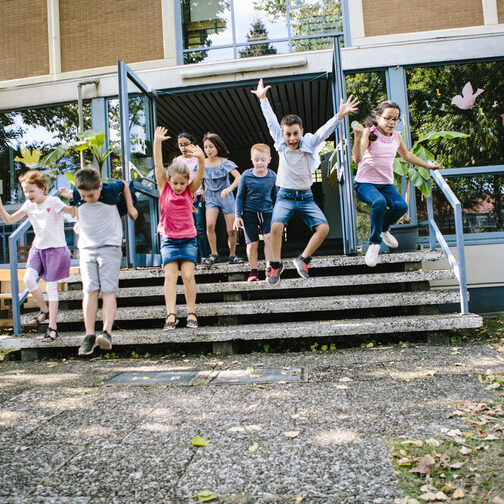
[(267, 375), (154, 378), (187, 377)]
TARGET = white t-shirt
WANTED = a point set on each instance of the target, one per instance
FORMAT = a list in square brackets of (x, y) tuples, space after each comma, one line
[(294, 169), (100, 225), (47, 221)]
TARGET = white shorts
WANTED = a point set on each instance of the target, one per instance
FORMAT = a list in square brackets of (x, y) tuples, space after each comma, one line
[(99, 268)]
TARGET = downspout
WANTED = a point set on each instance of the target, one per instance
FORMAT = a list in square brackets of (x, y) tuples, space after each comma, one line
[(81, 111)]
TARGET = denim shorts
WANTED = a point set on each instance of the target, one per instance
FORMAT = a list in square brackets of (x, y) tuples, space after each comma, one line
[(179, 249), (99, 268), (253, 222), (213, 199), (289, 201)]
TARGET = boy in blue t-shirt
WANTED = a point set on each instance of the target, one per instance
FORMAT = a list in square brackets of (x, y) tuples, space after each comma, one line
[(99, 227), (254, 205)]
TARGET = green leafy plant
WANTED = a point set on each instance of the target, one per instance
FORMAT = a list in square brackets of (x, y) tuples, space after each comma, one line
[(89, 140)]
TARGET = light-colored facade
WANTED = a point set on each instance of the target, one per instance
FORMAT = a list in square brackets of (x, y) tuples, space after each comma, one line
[(49, 46)]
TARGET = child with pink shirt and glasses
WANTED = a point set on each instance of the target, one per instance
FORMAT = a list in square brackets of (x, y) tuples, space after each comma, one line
[(375, 147)]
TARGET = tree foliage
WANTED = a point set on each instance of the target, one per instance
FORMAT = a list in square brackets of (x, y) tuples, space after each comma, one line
[(257, 33)]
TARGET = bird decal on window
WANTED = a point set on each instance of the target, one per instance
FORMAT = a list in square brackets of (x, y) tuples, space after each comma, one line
[(466, 101)]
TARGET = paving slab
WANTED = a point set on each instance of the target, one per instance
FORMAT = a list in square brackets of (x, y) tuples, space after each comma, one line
[(68, 437)]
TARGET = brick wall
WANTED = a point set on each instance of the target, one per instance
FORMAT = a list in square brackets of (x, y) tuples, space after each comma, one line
[(500, 10), (23, 39), (399, 16), (97, 33)]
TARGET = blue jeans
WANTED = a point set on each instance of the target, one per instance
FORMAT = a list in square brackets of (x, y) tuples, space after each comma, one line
[(289, 201), (199, 222), (387, 206)]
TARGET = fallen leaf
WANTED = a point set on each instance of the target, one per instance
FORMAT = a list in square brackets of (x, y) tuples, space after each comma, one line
[(414, 442), (428, 497), (468, 434), (298, 498), (206, 496), (457, 364), (253, 448), (448, 488), (425, 466), (497, 500), (456, 465), (345, 379), (458, 494), (199, 441), (404, 462), (433, 442), (342, 387), (291, 434), (428, 488), (493, 386), (465, 451)]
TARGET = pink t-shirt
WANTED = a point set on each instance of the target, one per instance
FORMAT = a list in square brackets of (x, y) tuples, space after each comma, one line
[(176, 214), (192, 164), (376, 166)]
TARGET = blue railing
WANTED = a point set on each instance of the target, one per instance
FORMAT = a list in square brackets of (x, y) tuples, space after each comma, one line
[(17, 300), (456, 264)]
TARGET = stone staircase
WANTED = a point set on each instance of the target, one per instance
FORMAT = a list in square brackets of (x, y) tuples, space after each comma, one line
[(343, 297)]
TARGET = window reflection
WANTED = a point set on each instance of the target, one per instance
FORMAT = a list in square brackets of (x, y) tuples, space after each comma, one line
[(482, 200), (259, 20)]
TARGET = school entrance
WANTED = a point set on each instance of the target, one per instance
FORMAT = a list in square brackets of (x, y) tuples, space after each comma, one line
[(233, 112)]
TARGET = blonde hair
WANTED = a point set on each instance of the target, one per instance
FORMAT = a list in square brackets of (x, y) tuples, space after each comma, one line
[(178, 168), (35, 177), (261, 147)]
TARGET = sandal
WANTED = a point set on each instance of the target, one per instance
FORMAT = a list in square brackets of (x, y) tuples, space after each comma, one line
[(235, 260), (170, 325), (48, 338), (211, 259), (37, 320), (192, 323)]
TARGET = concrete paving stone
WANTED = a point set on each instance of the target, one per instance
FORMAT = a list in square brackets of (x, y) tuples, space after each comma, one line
[(145, 474), (24, 499), (23, 467), (463, 388), (291, 469)]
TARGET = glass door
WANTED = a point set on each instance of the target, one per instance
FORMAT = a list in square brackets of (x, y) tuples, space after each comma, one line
[(137, 112)]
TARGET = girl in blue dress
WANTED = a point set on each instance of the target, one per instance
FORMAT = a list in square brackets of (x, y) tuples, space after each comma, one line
[(219, 195)]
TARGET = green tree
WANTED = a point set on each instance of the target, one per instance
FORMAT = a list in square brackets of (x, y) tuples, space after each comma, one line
[(257, 33)]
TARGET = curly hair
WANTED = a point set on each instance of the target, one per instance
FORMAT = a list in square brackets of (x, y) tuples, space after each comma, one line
[(38, 178)]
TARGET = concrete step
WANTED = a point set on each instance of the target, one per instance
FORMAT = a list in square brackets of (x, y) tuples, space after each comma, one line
[(317, 262), (285, 284), (283, 305), (250, 332)]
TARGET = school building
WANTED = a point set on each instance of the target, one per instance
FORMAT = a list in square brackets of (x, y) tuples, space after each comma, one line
[(190, 64)]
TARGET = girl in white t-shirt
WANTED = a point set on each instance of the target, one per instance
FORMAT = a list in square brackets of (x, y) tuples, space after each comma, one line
[(49, 257)]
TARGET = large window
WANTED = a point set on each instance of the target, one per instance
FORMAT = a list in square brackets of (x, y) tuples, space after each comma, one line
[(227, 29)]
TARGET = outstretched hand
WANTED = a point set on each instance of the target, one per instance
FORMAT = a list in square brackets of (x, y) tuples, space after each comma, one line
[(433, 165), (161, 134), (349, 106), (196, 151), (261, 90), (66, 193)]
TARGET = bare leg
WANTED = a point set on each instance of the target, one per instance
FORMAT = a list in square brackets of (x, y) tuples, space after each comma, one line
[(38, 297), (211, 220), (170, 287), (53, 314), (89, 308), (252, 254), (229, 218), (277, 229), (109, 310), (316, 239), (267, 248), (187, 272)]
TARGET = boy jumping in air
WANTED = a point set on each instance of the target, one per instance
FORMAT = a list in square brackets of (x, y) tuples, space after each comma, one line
[(298, 159)]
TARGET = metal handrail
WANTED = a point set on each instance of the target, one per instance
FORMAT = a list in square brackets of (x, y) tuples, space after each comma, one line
[(17, 300), (458, 266)]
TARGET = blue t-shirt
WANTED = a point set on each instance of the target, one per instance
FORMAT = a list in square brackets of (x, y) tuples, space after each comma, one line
[(255, 194)]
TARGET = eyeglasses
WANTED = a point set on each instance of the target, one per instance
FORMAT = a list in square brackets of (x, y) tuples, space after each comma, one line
[(395, 119)]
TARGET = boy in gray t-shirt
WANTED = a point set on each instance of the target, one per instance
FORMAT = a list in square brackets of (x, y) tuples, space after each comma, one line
[(100, 237)]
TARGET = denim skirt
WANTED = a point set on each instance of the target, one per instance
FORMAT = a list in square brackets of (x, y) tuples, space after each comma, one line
[(179, 249)]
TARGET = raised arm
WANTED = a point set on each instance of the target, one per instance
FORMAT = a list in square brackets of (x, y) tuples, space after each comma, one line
[(269, 115), (345, 108), (195, 150), (7, 217), (159, 137), (361, 141)]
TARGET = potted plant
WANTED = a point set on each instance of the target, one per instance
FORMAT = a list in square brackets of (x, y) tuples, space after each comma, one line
[(405, 232)]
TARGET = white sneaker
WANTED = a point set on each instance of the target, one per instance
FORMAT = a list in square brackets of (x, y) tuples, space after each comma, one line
[(389, 239), (372, 255)]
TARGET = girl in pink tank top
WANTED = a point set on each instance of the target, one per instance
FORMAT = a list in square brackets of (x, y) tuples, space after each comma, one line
[(375, 147), (179, 248)]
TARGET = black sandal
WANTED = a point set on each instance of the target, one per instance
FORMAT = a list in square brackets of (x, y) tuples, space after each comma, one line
[(235, 260), (192, 323), (37, 320), (48, 338), (170, 325), (211, 259)]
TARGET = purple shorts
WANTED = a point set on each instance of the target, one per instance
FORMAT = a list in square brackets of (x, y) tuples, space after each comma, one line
[(51, 264)]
